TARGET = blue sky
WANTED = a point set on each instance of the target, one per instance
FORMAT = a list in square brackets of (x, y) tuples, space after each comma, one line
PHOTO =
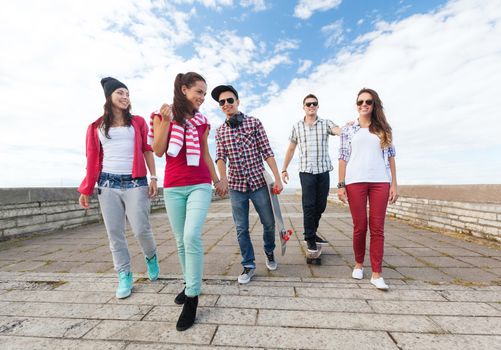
[(435, 65)]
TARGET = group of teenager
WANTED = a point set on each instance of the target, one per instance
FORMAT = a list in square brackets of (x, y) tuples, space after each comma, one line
[(120, 147)]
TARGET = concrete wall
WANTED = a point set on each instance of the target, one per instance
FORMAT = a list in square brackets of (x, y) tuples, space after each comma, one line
[(469, 209), (36, 210)]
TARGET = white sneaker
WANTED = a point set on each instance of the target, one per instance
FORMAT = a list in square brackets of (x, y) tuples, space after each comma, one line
[(379, 283), (271, 264), (358, 274), (246, 275)]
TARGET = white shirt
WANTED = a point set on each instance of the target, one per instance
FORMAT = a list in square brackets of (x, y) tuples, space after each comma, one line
[(118, 150), (366, 162)]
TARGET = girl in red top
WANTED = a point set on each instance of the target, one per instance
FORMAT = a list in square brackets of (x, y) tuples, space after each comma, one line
[(181, 133), (117, 149)]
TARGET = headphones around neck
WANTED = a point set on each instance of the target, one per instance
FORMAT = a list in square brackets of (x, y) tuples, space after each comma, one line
[(235, 120)]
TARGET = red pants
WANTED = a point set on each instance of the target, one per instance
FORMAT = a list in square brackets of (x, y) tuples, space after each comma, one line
[(377, 193)]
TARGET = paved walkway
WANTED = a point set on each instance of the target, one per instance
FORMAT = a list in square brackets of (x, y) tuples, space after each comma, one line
[(57, 292)]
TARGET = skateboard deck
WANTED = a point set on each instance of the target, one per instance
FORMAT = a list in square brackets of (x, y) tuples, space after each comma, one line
[(277, 213), (314, 258)]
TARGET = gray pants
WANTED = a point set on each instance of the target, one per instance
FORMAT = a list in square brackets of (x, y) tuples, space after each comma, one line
[(116, 205)]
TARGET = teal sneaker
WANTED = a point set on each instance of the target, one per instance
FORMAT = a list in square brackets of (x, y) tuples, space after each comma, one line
[(124, 285), (153, 268)]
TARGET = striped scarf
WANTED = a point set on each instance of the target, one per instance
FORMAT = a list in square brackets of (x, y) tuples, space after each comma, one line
[(181, 132)]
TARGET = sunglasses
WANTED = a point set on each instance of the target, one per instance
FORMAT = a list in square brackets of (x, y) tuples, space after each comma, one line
[(309, 104), (230, 101), (367, 102)]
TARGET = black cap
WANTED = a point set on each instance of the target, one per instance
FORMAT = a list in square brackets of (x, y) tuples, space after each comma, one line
[(110, 84), (222, 88)]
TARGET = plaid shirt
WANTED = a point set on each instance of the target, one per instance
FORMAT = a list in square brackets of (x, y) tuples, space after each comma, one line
[(245, 147), (313, 141), (347, 133)]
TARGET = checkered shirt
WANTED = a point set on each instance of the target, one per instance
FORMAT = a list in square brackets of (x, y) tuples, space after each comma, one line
[(245, 148), (313, 142)]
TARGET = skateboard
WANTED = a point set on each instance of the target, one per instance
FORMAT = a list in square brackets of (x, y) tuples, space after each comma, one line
[(314, 258), (277, 213)]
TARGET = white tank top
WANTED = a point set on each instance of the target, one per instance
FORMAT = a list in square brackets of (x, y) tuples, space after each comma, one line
[(366, 163), (118, 151)]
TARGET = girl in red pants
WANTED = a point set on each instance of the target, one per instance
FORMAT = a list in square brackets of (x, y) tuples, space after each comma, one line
[(367, 171)]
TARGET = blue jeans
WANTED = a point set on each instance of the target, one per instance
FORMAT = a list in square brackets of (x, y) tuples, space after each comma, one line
[(240, 210), (121, 197), (187, 208)]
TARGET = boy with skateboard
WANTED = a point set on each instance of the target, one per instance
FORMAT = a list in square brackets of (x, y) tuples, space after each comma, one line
[(242, 142), (312, 135)]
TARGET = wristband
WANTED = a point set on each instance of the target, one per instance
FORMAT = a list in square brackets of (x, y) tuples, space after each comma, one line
[(153, 177), (284, 171), (341, 184), (216, 182)]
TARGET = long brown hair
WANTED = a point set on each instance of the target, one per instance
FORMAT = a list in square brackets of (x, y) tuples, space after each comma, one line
[(181, 107), (108, 117), (379, 125)]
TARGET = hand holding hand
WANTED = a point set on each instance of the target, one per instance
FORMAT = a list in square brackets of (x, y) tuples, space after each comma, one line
[(285, 176), (341, 194)]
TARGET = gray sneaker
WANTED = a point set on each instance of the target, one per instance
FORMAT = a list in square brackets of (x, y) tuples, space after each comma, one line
[(246, 275), (271, 264)]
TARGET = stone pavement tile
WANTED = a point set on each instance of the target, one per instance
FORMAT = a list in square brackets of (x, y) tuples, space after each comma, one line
[(421, 252), (428, 274), (402, 243), (477, 296), (416, 341), (161, 332), (444, 261), (285, 303), (368, 294), (26, 265), (150, 346), (470, 274), (331, 271), (469, 325), (488, 251), (387, 273), (389, 250), (43, 327), (329, 260), (402, 261), (106, 286), (67, 310), (34, 343), (456, 252), (433, 308), (251, 289), (210, 315), (160, 299), (481, 261), (341, 320), (96, 267), (57, 266), (497, 306), (6, 262), (54, 296), (301, 338)]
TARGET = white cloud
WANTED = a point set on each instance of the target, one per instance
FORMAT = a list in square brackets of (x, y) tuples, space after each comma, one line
[(257, 5), (305, 65), (286, 44), (333, 32), (435, 73), (305, 8)]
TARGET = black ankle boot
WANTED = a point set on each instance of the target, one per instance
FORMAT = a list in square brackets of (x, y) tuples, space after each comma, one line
[(187, 317), (180, 298)]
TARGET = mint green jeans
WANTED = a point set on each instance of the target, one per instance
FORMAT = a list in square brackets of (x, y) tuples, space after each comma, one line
[(187, 208)]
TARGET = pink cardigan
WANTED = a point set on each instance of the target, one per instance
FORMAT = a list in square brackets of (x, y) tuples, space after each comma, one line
[(94, 152)]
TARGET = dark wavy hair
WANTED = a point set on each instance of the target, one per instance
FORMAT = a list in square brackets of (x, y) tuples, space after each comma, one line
[(379, 125), (181, 107), (108, 117)]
